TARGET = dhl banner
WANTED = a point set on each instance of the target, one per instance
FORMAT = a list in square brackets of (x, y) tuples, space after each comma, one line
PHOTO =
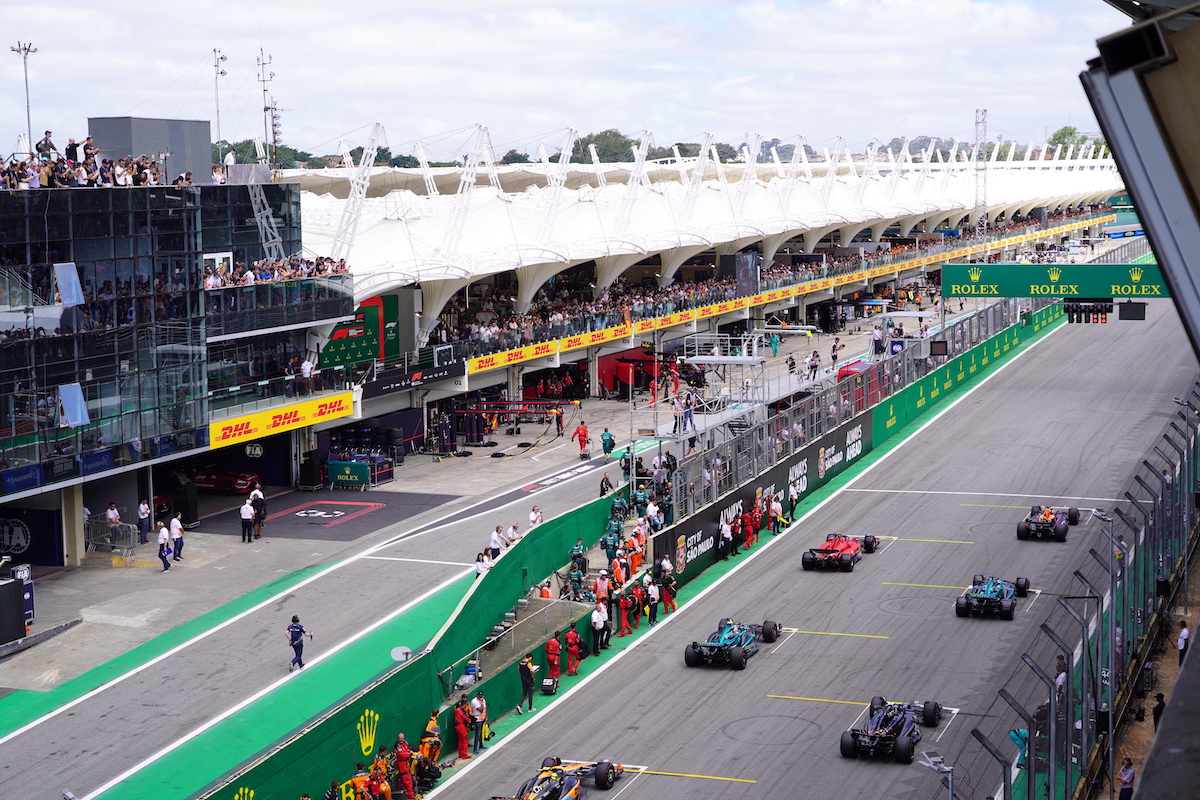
[(276, 420), (529, 352), (516, 356)]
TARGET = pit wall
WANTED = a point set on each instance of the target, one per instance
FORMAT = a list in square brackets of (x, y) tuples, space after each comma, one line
[(333, 741)]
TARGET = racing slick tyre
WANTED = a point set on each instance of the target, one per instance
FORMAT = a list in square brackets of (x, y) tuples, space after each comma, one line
[(931, 714), (1073, 516), (1023, 531), (808, 562), (1007, 609), (1022, 585), (849, 745), (692, 657), (904, 749), (877, 704), (846, 562), (737, 658), (870, 543), (961, 608), (978, 579), (1060, 531), (605, 774), (770, 631)]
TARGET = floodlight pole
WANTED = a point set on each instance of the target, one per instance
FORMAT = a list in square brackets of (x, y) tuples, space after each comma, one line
[(24, 49), (218, 58)]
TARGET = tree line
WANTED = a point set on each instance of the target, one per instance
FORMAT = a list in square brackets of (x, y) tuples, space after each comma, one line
[(612, 146)]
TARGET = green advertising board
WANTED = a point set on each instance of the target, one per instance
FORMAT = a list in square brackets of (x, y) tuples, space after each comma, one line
[(1053, 280), (349, 474)]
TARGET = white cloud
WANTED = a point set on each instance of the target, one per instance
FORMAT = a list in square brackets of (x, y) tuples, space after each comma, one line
[(858, 68)]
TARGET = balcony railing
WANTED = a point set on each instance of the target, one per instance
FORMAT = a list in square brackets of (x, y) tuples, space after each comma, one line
[(239, 309)]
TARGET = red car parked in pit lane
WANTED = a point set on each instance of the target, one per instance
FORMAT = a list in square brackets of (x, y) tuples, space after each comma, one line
[(211, 478)]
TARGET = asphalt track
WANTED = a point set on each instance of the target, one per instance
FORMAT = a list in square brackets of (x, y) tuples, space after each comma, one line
[(103, 734), (1064, 422)]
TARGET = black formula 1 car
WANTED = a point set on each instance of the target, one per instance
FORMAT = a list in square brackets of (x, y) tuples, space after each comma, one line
[(1047, 522), (838, 552), (559, 781), (991, 597), (731, 644), (891, 729)]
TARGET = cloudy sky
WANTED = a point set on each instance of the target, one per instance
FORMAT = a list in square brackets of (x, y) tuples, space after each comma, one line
[(528, 70)]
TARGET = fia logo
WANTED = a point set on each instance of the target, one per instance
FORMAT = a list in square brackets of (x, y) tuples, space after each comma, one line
[(368, 724)]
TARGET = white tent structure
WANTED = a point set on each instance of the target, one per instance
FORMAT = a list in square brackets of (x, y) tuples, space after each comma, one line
[(443, 228)]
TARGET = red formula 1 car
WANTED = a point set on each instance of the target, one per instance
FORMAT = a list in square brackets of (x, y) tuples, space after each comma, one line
[(840, 552)]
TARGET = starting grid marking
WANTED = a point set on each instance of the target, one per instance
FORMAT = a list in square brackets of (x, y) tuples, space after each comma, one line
[(954, 712), (987, 494), (642, 769), (961, 589)]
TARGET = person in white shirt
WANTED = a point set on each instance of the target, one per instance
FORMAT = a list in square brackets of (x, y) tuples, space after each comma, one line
[(177, 535), (513, 533), (1182, 642), (535, 517), (777, 512), (113, 516), (497, 542), (164, 538), (599, 622), (247, 513), (143, 522)]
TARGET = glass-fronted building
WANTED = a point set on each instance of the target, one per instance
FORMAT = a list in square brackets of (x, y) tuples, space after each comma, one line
[(106, 325)]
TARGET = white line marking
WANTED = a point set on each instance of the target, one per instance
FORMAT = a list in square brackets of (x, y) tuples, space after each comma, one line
[(953, 714), (785, 640), (420, 561), (989, 494), (1037, 593), (762, 548), (166, 751)]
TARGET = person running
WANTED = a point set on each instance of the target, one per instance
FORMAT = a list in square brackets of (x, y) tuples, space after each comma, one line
[(295, 636)]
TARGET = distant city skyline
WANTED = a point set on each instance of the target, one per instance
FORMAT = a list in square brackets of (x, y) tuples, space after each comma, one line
[(527, 70)]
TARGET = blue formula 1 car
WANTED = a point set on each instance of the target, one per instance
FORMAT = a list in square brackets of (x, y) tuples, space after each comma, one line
[(891, 729), (731, 644), (991, 597), (1047, 522)]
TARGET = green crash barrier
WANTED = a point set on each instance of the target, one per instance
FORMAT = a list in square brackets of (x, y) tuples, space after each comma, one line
[(308, 759)]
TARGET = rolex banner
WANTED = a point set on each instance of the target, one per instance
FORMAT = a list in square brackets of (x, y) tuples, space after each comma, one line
[(1053, 280)]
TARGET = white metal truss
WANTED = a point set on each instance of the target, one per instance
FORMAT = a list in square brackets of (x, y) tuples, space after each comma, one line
[(979, 157), (268, 232), (697, 179), (360, 180), (462, 198), (430, 185), (633, 184), (601, 181)]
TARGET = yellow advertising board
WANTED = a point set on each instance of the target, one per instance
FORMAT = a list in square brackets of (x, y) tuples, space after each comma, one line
[(236, 430)]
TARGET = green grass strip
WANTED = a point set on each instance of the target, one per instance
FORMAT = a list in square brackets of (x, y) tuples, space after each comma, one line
[(296, 703), (24, 706)]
